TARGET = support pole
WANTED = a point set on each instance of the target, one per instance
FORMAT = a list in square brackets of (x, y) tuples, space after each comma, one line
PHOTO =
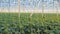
[(43, 5), (19, 10)]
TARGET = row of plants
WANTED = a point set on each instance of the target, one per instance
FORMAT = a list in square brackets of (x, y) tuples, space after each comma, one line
[(10, 23)]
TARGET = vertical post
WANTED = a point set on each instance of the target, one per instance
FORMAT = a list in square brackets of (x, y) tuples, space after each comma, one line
[(30, 23), (53, 5), (0, 6), (43, 6), (19, 6), (9, 7), (19, 13), (57, 8), (19, 10), (3, 7), (42, 12), (57, 11), (32, 12)]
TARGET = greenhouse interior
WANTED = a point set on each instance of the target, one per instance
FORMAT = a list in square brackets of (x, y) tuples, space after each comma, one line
[(29, 16)]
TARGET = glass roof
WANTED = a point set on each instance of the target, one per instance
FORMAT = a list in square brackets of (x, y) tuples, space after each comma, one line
[(30, 4)]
